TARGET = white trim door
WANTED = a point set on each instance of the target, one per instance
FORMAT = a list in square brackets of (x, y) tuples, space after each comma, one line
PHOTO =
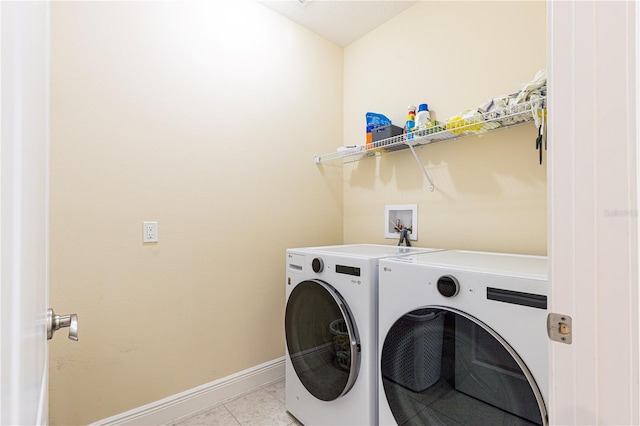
[(593, 210), (24, 174)]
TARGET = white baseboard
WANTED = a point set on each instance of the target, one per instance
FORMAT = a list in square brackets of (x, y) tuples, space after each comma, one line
[(199, 398)]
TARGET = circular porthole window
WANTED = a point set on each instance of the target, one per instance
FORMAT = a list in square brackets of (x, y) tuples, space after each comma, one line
[(322, 340), (441, 366)]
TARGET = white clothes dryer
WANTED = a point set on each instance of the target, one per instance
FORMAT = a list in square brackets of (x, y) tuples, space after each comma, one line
[(331, 332), (462, 339)]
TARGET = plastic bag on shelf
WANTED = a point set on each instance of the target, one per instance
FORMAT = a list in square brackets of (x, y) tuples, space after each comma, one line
[(508, 109), (375, 120), (467, 122), (535, 88)]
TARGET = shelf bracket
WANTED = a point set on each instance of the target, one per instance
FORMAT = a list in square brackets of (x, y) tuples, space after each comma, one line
[(413, 151)]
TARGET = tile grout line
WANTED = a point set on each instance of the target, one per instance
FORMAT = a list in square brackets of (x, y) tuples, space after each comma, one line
[(272, 393), (231, 414)]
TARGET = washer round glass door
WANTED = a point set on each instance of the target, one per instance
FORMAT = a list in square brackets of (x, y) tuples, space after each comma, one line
[(322, 340), (441, 366)]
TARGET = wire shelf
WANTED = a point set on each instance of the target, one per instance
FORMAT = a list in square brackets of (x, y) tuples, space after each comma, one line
[(473, 124)]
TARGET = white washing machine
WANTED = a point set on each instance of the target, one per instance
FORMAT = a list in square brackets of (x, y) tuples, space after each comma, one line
[(462, 339), (331, 332)]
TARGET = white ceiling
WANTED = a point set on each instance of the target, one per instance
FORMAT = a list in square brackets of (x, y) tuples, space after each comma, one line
[(340, 21)]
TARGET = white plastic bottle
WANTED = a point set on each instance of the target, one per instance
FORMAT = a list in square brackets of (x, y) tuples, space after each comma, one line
[(423, 117)]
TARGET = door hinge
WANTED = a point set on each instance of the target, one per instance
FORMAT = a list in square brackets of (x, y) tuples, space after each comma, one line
[(559, 328)]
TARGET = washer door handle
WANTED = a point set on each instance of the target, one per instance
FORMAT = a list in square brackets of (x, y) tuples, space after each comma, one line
[(355, 347)]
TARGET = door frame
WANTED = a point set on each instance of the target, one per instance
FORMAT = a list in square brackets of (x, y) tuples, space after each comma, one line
[(24, 212), (593, 209)]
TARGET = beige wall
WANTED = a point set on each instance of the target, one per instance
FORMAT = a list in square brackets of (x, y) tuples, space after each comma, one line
[(203, 117), (490, 191)]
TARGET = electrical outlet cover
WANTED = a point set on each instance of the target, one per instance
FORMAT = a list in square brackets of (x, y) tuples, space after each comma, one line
[(149, 232)]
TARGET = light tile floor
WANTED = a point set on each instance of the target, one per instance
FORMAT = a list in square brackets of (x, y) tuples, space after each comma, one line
[(262, 406)]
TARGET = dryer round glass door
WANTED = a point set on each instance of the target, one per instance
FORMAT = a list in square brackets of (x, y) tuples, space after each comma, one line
[(441, 366), (322, 340)]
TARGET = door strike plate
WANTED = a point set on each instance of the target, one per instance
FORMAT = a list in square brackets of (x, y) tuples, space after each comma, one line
[(559, 328)]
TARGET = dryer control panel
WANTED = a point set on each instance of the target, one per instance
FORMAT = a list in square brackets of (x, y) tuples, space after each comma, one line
[(348, 270)]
